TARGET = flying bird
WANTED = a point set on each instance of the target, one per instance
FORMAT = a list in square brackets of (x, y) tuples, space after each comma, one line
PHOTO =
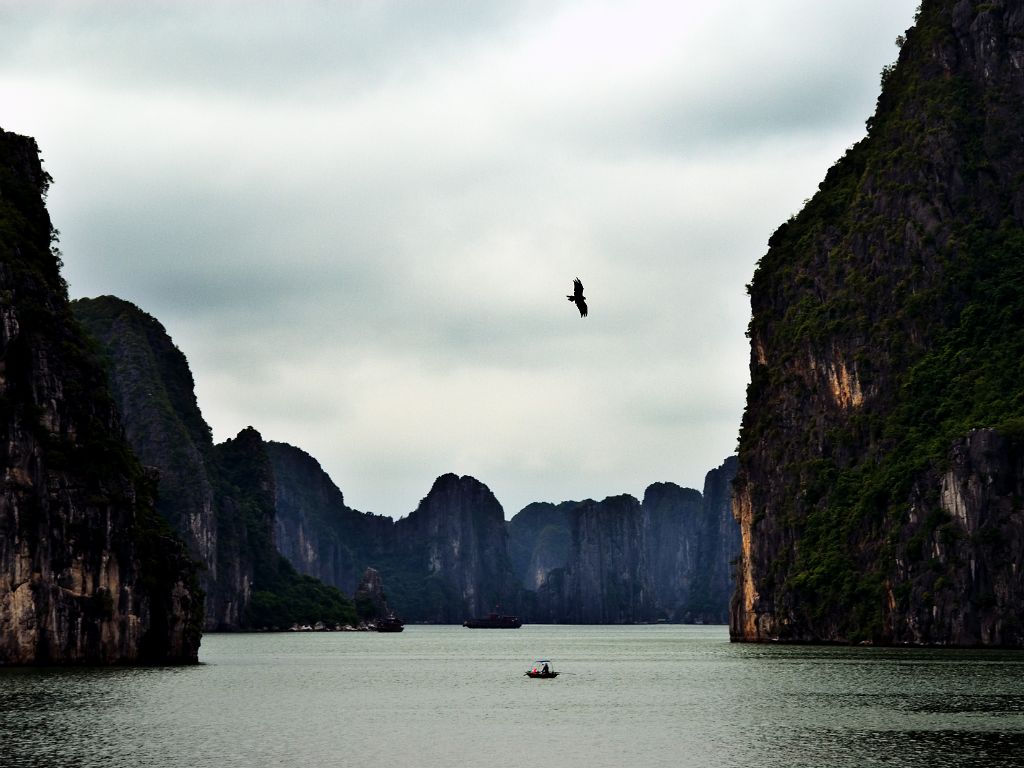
[(578, 297)]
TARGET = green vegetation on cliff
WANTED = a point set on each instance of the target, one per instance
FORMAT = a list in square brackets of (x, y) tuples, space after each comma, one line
[(902, 279), (280, 596)]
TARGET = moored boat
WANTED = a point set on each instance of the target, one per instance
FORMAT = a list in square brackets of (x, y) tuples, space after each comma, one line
[(494, 620), (390, 623)]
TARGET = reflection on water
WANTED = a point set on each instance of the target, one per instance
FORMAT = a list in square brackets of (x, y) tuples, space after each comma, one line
[(448, 696)]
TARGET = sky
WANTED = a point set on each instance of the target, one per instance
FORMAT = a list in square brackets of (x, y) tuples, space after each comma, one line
[(360, 220)]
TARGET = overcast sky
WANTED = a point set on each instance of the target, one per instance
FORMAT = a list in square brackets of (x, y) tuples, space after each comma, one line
[(359, 220)]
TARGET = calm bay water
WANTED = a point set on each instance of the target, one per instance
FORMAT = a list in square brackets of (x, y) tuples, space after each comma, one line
[(448, 696)]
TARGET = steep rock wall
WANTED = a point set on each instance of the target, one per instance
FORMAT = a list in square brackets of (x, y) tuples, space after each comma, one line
[(886, 327), (89, 574), (667, 558), (539, 542), (444, 562), (606, 579), (319, 534), (220, 498), (693, 539), (458, 534), (154, 390)]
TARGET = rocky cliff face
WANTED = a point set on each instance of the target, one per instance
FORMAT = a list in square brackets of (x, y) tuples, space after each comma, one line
[(221, 499), (539, 540), (370, 598), (455, 556), (606, 579), (241, 503), (676, 535), (444, 562), (89, 574), (318, 533), (879, 452), (155, 394), (722, 549), (956, 579), (693, 540), (457, 534), (620, 560)]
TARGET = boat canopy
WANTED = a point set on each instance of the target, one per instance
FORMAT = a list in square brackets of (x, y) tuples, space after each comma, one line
[(541, 668)]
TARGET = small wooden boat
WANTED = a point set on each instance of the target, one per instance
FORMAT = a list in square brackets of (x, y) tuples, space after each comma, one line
[(543, 669)]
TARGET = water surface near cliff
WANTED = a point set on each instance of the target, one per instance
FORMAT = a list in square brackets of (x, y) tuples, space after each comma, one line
[(448, 696)]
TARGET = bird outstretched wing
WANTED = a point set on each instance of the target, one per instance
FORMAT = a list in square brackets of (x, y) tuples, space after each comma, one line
[(578, 298)]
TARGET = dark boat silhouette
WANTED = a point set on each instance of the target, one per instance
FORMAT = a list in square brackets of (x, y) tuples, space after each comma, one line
[(390, 623), (494, 620)]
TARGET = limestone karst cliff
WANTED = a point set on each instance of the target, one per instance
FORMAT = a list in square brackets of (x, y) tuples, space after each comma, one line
[(693, 541), (279, 595), (539, 541), (622, 560), (370, 598), (318, 533), (880, 471), (240, 503), (443, 562), (606, 576), (455, 556), (458, 541), (220, 498), (153, 387), (89, 573)]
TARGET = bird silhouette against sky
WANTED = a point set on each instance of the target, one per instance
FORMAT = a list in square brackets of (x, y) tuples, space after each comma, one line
[(578, 297)]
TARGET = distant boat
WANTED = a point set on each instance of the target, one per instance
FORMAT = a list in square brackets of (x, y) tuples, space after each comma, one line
[(494, 620), (542, 668), (390, 623)]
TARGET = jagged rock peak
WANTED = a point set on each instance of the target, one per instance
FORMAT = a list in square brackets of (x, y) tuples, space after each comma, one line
[(451, 486), (249, 437), (451, 480), (309, 465), (657, 492)]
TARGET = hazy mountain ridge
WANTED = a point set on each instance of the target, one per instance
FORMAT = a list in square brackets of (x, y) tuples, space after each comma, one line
[(240, 503), (455, 555), (880, 454)]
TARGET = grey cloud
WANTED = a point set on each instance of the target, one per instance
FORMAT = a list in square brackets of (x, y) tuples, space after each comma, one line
[(261, 49), (359, 220)]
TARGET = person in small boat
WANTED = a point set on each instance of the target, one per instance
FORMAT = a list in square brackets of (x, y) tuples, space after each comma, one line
[(544, 669)]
